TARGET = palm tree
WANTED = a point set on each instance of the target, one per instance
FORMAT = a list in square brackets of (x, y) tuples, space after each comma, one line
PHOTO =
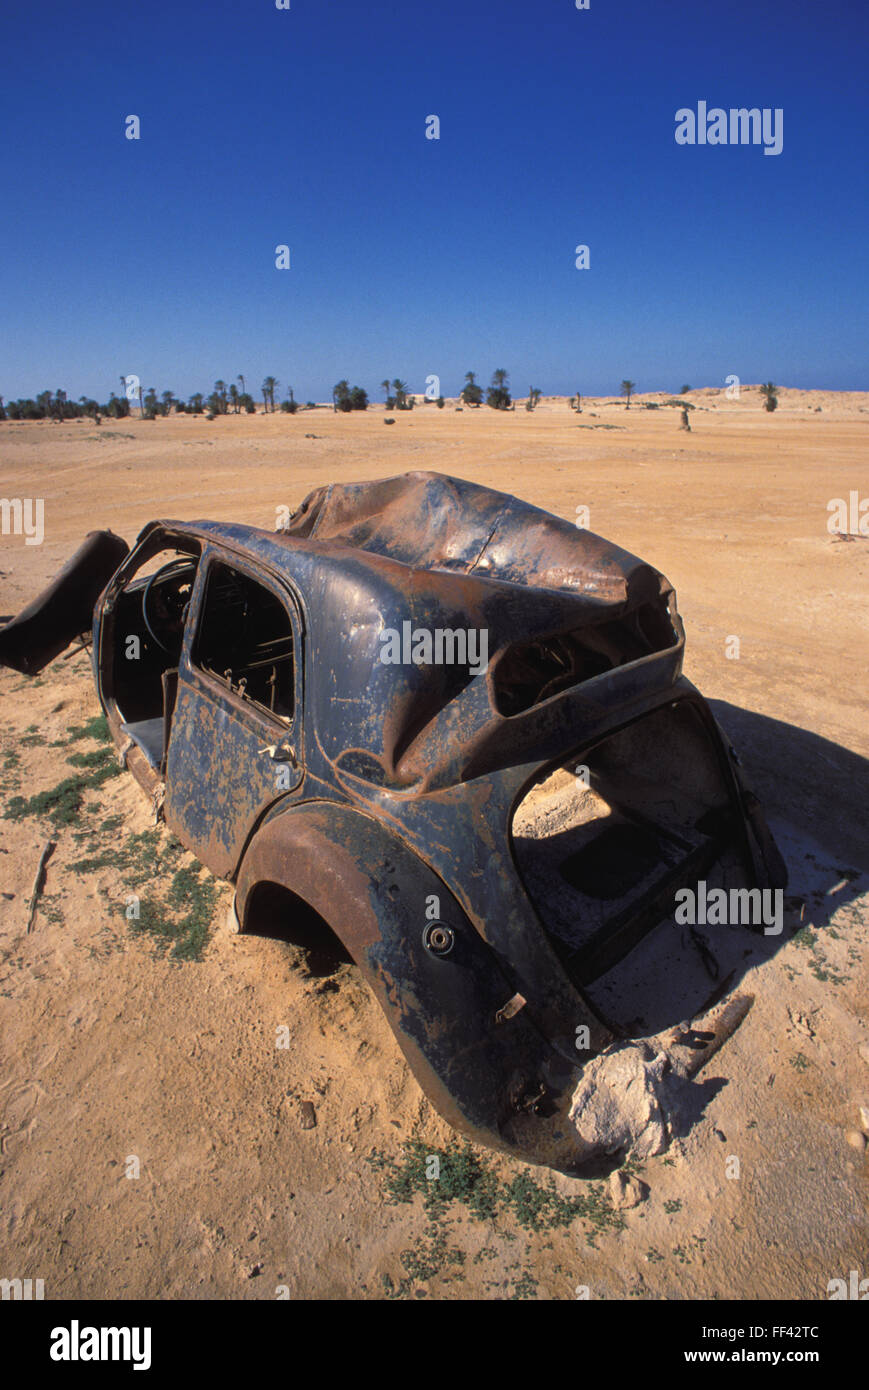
[(768, 390), (268, 387), (498, 394), (168, 399), (196, 401), (241, 379), (233, 397), (399, 388), (220, 390), (386, 387), (627, 389), (471, 394)]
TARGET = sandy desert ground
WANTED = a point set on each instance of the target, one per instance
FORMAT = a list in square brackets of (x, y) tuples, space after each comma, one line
[(114, 1050)]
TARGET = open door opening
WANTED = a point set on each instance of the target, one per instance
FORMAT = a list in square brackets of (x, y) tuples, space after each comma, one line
[(143, 645)]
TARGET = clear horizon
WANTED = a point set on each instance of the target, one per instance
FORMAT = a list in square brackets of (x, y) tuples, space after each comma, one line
[(413, 257)]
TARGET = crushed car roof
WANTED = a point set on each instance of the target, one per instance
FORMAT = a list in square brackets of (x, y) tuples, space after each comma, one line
[(440, 553)]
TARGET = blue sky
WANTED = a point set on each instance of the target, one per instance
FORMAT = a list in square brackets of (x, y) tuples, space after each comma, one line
[(410, 256)]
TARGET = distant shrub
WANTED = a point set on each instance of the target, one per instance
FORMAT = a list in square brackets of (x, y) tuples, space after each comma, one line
[(441, 402)]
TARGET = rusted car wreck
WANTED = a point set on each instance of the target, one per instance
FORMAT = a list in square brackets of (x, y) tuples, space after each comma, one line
[(492, 831)]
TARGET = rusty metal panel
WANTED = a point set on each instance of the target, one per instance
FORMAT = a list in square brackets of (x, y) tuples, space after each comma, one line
[(395, 823)]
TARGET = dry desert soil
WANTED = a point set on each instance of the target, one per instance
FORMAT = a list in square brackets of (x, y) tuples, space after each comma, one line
[(154, 1137)]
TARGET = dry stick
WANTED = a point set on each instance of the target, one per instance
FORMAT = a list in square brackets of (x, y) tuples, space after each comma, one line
[(38, 881), (84, 646)]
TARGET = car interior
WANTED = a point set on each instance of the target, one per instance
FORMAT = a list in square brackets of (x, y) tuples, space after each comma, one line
[(150, 615), (244, 643)]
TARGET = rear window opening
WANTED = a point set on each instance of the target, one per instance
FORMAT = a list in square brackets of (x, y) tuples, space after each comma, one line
[(603, 853), (530, 672)]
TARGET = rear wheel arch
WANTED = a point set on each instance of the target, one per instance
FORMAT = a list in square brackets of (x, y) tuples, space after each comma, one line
[(368, 887)]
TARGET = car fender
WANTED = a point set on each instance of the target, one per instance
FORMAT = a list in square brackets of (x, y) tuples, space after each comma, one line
[(477, 1064)]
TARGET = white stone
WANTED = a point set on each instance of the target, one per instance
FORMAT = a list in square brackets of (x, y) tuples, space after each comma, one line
[(616, 1107)]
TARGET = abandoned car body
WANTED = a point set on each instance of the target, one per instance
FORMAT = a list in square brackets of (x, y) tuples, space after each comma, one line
[(490, 845)]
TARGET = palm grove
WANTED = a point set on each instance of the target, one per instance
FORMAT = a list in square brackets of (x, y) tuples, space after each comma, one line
[(233, 398)]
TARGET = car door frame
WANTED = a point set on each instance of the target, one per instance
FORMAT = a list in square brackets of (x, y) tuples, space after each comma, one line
[(155, 536), (212, 688)]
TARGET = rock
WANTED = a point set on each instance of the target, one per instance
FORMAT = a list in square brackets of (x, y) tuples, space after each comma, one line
[(864, 1118), (566, 1186), (616, 1107), (855, 1139), (308, 1114), (626, 1191)]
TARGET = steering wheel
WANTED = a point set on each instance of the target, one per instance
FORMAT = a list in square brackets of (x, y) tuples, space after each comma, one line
[(179, 567)]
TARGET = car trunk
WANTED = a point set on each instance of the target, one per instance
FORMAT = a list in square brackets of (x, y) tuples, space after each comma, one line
[(604, 843)]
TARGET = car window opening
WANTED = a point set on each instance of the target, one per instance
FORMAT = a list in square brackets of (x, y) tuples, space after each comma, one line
[(245, 641)]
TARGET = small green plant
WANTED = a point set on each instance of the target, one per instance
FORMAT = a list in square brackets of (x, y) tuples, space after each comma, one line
[(62, 804)]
